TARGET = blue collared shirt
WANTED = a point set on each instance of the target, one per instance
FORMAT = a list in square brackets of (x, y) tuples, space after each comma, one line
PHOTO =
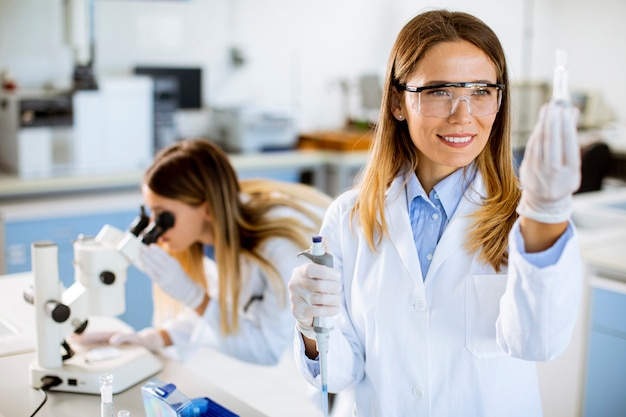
[(430, 214)]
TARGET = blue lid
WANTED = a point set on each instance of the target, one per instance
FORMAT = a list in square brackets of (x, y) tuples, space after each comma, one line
[(165, 390)]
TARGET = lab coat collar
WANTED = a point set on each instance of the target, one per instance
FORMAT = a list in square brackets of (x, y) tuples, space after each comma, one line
[(453, 238), (399, 226)]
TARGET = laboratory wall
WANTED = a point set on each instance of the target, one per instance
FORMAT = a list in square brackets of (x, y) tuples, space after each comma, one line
[(304, 56)]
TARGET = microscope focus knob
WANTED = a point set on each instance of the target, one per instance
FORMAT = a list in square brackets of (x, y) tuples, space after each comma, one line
[(107, 277), (59, 312)]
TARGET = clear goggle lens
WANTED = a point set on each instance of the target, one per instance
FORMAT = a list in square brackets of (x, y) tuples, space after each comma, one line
[(443, 101)]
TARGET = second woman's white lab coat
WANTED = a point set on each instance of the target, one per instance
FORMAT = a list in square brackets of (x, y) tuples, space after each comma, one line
[(462, 341), (265, 320)]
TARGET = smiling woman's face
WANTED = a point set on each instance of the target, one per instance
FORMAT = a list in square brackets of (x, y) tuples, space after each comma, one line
[(445, 145)]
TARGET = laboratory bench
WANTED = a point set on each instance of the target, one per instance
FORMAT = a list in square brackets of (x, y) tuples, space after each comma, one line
[(59, 209), (246, 389), (589, 375), (605, 367), (601, 221)]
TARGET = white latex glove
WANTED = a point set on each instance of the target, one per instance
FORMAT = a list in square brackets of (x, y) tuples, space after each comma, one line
[(315, 291), (149, 338), (550, 170), (169, 275)]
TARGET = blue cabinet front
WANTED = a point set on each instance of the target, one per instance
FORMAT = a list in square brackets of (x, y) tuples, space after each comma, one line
[(605, 382)]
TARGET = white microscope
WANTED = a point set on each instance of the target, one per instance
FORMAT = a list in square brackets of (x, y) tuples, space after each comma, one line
[(98, 292)]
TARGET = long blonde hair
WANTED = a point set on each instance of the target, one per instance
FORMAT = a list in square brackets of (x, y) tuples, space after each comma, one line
[(196, 171), (393, 150)]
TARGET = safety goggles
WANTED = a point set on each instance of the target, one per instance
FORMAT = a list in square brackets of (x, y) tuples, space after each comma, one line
[(442, 100)]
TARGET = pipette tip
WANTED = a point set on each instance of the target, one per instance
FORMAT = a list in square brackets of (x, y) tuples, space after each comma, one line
[(325, 399)]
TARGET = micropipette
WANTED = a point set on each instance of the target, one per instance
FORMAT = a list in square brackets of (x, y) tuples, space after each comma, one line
[(321, 325), (560, 93)]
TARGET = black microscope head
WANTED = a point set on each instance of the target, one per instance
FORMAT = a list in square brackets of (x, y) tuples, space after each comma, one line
[(164, 221)]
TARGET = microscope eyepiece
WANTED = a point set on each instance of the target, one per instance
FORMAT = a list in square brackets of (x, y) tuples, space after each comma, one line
[(164, 221), (140, 222)]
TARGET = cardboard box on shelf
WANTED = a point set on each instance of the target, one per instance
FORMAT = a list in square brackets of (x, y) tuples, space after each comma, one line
[(338, 140)]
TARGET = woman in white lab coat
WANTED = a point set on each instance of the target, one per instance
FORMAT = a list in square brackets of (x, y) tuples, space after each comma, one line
[(237, 303), (449, 281)]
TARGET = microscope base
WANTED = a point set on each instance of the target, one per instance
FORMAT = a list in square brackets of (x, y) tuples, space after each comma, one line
[(134, 364)]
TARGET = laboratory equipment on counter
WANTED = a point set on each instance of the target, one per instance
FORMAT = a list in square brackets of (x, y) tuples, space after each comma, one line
[(321, 325), (58, 133), (248, 130), (100, 266), (162, 399), (35, 132), (113, 126)]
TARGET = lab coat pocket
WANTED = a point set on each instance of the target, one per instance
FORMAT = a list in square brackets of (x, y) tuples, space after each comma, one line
[(482, 306)]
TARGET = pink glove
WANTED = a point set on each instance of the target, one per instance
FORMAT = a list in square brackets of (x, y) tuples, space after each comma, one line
[(149, 338), (315, 291), (91, 339), (550, 170)]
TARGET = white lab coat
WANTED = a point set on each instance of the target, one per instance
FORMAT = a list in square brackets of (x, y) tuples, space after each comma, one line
[(265, 320), (461, 342)]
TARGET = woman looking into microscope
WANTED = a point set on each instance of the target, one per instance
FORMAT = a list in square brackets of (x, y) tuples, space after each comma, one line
[(236, 303)]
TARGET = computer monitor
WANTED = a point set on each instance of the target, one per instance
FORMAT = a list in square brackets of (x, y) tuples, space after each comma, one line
[(189, 83)]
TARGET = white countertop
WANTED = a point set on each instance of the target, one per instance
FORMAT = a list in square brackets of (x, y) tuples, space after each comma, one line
[(598, 210), (607, 264), (600, 218)]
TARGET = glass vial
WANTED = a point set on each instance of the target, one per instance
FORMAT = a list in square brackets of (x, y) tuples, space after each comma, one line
[(106, 396)]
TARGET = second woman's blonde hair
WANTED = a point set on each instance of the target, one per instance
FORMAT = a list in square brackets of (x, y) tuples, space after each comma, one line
[(198, 171)]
